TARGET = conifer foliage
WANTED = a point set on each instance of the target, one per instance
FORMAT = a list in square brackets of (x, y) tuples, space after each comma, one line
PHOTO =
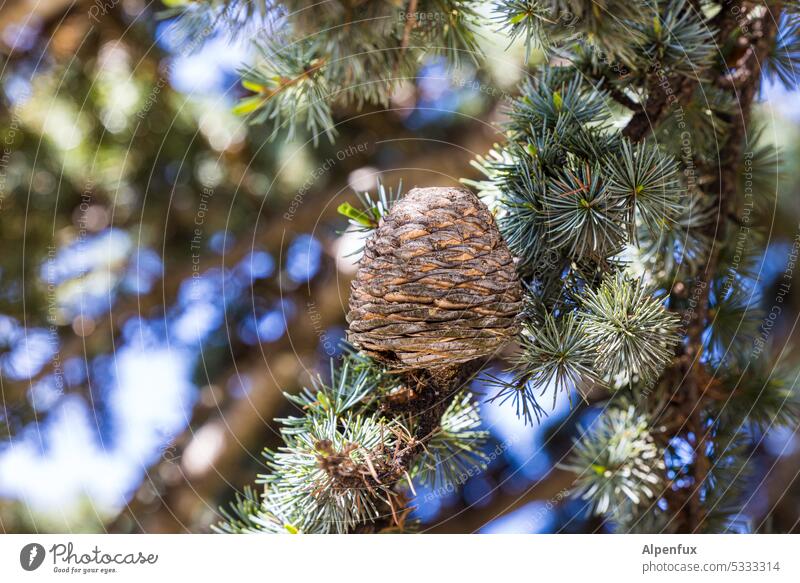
[(616, 189)]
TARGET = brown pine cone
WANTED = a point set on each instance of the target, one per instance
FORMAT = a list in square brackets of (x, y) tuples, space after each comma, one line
[(436, 285)]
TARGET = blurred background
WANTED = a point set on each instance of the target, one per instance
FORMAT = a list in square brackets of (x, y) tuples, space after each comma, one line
[(166, 272)]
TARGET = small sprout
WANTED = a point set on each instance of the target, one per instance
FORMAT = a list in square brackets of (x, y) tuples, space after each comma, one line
[(558, 101), (356, 215)]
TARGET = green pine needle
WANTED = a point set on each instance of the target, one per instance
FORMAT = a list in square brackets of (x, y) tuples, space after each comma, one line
[(617, 462), (634, 334)]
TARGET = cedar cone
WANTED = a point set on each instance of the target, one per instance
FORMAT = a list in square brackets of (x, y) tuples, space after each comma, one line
[(436, 286)]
